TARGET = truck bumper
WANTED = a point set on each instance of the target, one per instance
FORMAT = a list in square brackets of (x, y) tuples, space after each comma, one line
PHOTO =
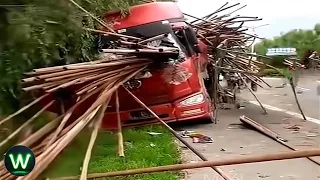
[(168, 112)]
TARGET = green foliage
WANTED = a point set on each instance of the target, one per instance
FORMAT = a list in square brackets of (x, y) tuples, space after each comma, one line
[(41, 33), (277, 73), (271, 72), (302, 40), (287, 74), (141, 149)]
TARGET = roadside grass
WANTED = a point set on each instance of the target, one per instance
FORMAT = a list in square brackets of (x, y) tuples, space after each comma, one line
[(285, 73), (141, 150)]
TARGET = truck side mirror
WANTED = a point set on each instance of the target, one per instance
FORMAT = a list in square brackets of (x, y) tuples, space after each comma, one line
[(192, 39)]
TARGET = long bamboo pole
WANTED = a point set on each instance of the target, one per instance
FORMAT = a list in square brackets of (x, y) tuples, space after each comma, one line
[(222, 162), (24, 108), (46, 157), (69, 113), (262, 129), (245, 83), (93, 138), (120, 137), (91, 15), (104, 95), (12, 135), (218, 170)]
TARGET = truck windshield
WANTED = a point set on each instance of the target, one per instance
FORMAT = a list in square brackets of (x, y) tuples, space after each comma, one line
[(146, 31), (171, 41)]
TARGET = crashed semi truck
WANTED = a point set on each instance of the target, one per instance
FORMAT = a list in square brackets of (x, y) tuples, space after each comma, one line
[(172, 102), (172, 87)]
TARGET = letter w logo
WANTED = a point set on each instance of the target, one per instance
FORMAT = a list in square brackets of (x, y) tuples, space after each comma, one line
[(19, 160)]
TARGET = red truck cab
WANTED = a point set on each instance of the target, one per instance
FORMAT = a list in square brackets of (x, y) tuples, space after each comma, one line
[(188, 100)]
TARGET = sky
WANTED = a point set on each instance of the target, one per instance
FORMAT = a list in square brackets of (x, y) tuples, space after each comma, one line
[(280, 15)]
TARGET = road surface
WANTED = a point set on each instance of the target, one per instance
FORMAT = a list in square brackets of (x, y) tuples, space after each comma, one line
[(231, 139), (283, 98)]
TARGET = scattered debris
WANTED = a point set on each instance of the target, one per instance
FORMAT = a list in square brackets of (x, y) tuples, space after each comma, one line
[(196, 137), (294, 127), (128, 144), (236, 126), (312, 135), (154, 133), (185, 134), (281, 86), (202, 139), (263, 176)]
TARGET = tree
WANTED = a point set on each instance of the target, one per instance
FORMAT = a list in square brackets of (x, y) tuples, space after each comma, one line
[(37, 33), (302, 40)]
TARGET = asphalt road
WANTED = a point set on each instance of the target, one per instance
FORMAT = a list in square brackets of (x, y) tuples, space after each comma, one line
[(283, 98), (231, 139)]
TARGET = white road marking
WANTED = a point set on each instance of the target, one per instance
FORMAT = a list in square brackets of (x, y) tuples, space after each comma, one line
[(303, 89), (298, 115)]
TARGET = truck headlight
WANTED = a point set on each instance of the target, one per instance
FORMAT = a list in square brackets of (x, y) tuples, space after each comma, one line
[(197, 99)]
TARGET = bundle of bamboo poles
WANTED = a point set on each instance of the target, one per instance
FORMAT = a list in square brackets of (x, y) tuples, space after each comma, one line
[(315, 60), (80, 84), (293, 62), (228, 42), (98, 79)]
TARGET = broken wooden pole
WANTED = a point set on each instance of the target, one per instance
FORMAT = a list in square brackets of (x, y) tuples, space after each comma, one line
[(264, 130), (92, 16), (215, 88), (158, 37), (245, 83), (120, 137), (34, 117), (221, 162), (24, 108), (296, 98), (93, 138), (218, 170)]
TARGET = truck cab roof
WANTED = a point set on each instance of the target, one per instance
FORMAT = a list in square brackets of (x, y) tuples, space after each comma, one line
[(144, 14)]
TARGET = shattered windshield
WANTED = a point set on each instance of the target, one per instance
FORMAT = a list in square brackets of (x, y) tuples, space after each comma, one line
[(171, 41)]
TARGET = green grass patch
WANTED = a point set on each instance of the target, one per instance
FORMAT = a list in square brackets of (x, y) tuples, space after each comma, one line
[(141, 150), (271, 73), (285, 73)]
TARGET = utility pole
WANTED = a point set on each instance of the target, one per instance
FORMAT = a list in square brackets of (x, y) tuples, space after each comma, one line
[(253, 32)]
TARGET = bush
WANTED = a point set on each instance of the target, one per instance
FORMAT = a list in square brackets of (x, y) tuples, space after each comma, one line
[(271, 72), (37, 33)]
